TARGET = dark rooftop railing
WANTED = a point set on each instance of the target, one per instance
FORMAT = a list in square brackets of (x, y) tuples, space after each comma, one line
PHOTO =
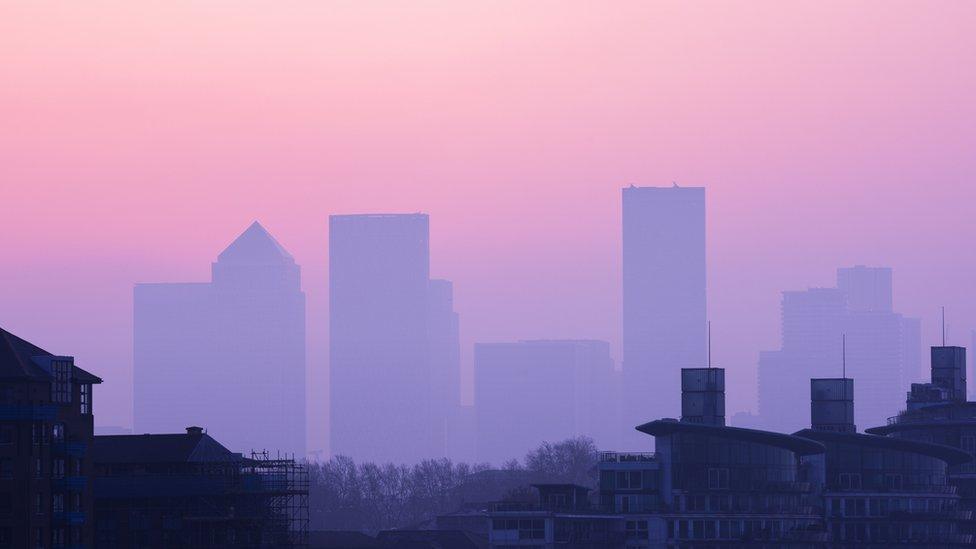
[(627, 457)]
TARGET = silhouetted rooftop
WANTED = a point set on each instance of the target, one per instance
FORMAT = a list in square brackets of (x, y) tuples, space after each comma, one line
[(255, 246), (801, 446), (950, 455), (377, 215), (167, 448), (16, 361)]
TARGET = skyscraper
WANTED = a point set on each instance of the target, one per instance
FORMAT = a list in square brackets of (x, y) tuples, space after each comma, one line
[(380, 388), (824, 328), (528, 392), (664, 306), (868, 289), (229, 353), (812, 333), (445, 362)]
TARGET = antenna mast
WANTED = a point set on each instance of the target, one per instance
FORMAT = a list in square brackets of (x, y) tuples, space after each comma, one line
[(943, 327), (843, 354), (709, 344)]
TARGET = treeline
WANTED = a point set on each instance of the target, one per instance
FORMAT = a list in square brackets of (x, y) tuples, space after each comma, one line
[(369, 497)]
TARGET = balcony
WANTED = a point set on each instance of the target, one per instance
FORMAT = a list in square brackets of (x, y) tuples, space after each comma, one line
[(45, 412), (73, 449), (73, 518), (71, 484)]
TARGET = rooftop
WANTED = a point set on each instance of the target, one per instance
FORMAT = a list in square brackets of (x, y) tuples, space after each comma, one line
[(801, 446), (950, 455), (255, 246), (192, 446), (17, 361)]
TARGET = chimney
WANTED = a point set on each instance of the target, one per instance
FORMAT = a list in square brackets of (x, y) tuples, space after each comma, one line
[(194, 431), (832, 405), (949, 371), (703, 396)]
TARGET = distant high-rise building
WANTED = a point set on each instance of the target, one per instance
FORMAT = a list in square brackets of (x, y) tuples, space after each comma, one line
[(812, 333), (882, 349), (664, 306), (229, 353), (971, 373), (868, 289), (529, 392), (911, 349), (445, 362), (379, 308)]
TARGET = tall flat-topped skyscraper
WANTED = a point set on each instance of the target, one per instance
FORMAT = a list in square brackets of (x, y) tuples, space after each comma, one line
[(229, 353), (664, 303), (379, 272)]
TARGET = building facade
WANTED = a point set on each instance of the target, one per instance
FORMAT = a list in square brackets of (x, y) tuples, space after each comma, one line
[(938, 412), (664, 301), (567, 387), (46, 432), (850, 328), (709, 485), (444, 337), (379, 347), (244, 331), (189, 491)]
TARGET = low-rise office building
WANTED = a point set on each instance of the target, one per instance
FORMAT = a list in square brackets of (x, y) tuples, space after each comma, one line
[(188, 490), (880, 491), (938, 412)]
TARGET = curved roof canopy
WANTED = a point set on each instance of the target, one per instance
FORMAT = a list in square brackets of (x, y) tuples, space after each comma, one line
[(952, 456), (801, 446)]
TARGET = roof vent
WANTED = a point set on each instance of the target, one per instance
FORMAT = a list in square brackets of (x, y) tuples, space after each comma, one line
[(197, 431)]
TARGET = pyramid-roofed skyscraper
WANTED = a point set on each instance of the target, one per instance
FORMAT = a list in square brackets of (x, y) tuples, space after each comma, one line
[(228, 354)]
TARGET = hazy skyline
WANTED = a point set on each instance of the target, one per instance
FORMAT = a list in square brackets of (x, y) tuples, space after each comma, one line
[(136, 137)]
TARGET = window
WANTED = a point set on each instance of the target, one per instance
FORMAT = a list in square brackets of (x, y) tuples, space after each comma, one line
[(38, 504), (38, 537), (531, 529), (636, 529), (57, 468), (6, 504), (57, 537), (893, 482), (718, 479), (38, 468), (57, 503), (968, 444), (6, 537), (627, 504), (629, 480), (61, 385), (850, 481), (6, 468), (85, 404), (6, 434), (57, 432)]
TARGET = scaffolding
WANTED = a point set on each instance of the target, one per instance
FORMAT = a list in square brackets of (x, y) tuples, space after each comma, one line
[(283, 484), (256, 502)]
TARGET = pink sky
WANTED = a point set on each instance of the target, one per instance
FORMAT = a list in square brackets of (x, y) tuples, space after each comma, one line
[(138, 138)]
